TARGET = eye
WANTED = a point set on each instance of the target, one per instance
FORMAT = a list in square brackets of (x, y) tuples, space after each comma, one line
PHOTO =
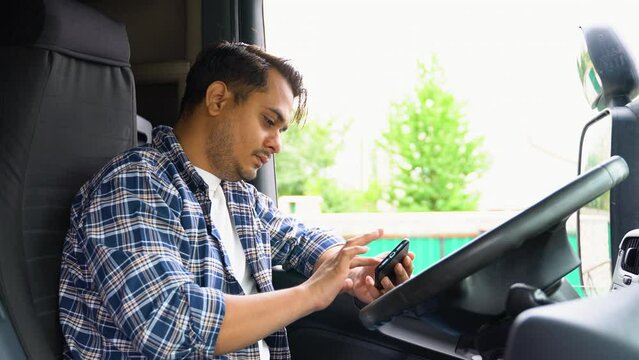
[(269, 122)]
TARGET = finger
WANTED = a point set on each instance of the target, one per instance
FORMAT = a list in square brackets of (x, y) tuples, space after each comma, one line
[(411, 254), (365, 239), (352, 251), (372, 290), (348, 254), (348, 285), (364, 261), (366, 297), (400, 274), (387, 284), (408, 265)]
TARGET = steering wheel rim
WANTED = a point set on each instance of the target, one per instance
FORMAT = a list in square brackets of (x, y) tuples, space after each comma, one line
[(543, 216)]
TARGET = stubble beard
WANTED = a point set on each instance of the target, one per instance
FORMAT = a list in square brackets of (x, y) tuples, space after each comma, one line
[(219, 151)]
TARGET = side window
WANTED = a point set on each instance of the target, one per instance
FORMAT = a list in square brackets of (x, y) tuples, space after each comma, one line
[(434, 125)]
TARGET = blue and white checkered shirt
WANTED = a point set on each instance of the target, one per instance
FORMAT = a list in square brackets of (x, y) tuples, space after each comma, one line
[(143, 271)]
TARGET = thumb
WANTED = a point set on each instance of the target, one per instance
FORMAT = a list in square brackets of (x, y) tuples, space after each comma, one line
[(348, 285)]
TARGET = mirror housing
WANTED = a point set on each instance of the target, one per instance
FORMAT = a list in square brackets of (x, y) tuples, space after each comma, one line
[(606, 68)]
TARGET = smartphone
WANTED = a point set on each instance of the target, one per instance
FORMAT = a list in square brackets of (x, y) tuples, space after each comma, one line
[(386, 267)]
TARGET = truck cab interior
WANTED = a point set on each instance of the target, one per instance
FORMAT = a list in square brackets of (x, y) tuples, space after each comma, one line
[(81, 81)]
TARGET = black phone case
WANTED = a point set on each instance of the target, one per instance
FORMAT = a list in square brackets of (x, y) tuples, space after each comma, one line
[(385, 268)]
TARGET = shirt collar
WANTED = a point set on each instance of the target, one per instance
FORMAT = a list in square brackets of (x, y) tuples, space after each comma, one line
[(165, 141), (212, 180)]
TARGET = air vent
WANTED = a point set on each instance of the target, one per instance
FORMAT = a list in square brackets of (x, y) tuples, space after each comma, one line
[(630, 260)]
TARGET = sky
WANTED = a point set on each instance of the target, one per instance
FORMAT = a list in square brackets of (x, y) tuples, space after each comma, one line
[(512, 64)]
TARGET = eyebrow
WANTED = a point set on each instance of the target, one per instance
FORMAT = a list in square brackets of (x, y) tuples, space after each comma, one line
[(280, 117)]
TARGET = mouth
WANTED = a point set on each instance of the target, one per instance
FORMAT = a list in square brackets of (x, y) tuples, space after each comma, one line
[(262, 158)]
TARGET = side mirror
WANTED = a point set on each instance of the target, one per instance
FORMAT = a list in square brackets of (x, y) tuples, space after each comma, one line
[(609, 78), (606, 69)]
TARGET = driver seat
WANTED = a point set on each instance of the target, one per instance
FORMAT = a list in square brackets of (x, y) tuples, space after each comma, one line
[(67, 106)]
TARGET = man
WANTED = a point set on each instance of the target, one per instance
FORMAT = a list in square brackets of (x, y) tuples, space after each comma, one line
[(169, 252)]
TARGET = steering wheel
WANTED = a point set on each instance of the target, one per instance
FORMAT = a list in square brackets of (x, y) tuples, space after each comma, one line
[(531, 247)]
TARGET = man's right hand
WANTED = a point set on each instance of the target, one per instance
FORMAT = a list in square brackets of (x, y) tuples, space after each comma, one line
[(249, 318), (333, 267)]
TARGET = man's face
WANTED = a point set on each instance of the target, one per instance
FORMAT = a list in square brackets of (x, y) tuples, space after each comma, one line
[(246, 135)]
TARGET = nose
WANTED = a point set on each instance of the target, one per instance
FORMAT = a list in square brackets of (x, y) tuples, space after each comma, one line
[(274, 142)]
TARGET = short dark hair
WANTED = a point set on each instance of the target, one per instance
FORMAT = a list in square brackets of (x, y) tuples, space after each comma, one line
[(243, 68)]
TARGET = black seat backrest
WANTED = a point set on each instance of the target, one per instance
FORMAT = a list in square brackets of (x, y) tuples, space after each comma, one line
[(67, 105)]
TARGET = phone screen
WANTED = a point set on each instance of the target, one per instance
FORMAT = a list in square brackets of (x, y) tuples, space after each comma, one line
[(386, 267)]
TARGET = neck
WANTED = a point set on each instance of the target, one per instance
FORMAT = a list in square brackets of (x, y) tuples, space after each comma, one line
[(192, 135)]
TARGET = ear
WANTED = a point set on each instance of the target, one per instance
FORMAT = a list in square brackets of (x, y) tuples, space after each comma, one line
[(217, 96)]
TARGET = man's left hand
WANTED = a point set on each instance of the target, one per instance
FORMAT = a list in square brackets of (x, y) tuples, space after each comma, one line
[(364, 278)]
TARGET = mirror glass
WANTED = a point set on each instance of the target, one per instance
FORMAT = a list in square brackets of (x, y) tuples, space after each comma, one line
[(594, 218), (590, 80)]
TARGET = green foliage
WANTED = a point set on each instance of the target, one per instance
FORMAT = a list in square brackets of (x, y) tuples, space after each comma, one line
[(337, 199), (303, 167), (601, 202), (308, 151), (433, 158)]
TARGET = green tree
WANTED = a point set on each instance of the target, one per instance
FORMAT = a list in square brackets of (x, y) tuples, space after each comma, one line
[(308, 152), (337, 199), (304, 164), (433, 157)]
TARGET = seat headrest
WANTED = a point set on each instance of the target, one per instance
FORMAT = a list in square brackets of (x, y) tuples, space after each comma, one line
[(65, 26)]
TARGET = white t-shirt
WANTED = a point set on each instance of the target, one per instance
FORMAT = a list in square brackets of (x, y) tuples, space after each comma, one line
[(231, 242)]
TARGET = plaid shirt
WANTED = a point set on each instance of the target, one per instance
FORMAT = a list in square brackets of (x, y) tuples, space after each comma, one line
[(143, 272)]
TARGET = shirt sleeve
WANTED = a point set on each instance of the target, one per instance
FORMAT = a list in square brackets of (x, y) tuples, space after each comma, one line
[(293, 245), (131, 230)]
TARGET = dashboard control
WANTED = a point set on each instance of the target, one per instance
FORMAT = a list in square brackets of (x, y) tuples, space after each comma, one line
[(627, 266)]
